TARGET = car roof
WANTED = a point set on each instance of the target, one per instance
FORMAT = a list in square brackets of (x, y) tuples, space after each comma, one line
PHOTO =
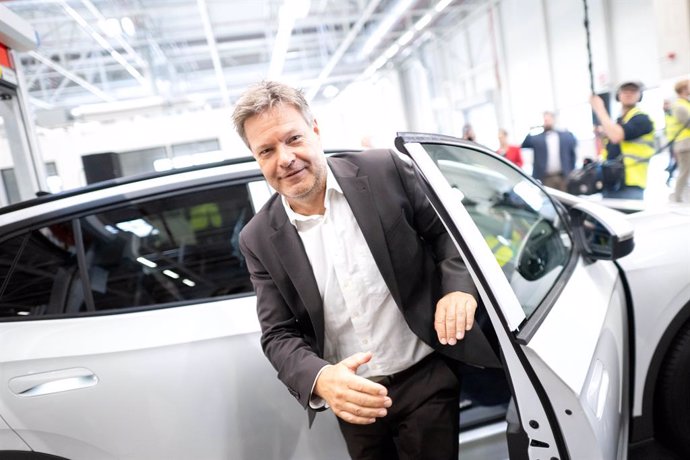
[(46, 197)]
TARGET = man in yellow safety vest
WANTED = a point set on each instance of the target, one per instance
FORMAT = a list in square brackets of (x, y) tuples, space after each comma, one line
[(630, 137)]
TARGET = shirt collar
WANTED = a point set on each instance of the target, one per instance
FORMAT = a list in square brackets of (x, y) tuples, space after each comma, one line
[(332, 186)]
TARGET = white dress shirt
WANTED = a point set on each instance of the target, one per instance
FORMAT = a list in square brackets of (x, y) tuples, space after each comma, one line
[(553, 150), (359, 311)]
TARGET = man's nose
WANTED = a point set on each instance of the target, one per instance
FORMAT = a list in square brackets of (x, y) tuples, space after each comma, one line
[(286, 156)]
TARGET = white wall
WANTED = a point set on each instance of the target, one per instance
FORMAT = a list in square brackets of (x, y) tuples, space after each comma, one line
[(65, 146)]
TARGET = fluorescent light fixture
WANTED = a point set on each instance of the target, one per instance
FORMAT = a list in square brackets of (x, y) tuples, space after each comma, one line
[(423, 21), (384, 26), (23, 313), (330, 91), (392, 51), (189, 283), (171, 274), (117, 106), (139, 227), (405, 38), (103, 42), (147, 262), (289, 12), (128, 26), (440, 6), (298, 8)]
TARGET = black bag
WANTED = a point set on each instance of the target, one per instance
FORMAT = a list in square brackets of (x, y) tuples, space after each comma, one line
[(613, 174), (586, 180)]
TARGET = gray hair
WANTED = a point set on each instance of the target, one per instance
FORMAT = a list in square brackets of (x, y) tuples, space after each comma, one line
[(264, 96)]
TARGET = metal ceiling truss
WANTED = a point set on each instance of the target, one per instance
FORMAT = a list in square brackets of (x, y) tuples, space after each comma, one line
[(92, 51)]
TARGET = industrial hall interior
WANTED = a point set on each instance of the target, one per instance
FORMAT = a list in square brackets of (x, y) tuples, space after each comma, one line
[(332, 229)]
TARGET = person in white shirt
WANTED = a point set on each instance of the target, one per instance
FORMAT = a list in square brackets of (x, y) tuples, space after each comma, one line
[(361, 294)]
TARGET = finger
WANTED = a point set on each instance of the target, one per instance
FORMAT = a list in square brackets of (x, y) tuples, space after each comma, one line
[(366, 386), (460, 319), (440, 322), (471, 312), (352, 362), (369, 401), (354, 419), (364, 412), (451, 323)]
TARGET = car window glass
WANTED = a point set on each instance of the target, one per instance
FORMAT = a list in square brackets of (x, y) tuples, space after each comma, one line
[(172, 249), (36, 269), (519, 222), (178, 248)]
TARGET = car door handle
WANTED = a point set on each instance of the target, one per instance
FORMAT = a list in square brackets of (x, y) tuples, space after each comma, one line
[(44, 383)]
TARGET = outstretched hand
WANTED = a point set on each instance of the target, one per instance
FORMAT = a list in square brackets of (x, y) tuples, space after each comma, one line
[(454, 315), (351, 397)]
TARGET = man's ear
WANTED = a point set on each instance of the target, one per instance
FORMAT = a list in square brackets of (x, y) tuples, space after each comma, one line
[(315, 127)]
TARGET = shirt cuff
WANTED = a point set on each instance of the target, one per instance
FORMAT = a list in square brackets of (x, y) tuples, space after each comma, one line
[(317, 402)]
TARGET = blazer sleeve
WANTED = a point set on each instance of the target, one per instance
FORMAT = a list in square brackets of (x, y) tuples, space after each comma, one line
[(283, 340), (454, 274)]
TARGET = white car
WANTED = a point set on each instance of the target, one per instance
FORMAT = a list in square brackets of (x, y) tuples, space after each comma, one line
[(128, 326)]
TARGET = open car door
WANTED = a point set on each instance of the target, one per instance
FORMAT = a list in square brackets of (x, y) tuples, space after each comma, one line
[(552, 292)]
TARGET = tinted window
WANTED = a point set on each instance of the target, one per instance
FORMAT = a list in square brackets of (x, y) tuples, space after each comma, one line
[(519, 222), (179, 248), (38, 270)]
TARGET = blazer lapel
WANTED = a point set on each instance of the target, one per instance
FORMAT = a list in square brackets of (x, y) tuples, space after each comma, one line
[(289, 249), (358, 195)]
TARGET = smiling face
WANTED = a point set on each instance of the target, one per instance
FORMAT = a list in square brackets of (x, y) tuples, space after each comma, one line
[(290, 156)]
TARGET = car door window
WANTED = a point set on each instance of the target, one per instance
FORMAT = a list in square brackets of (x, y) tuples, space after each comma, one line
[(517, 219), (36, 268), (177, 248)]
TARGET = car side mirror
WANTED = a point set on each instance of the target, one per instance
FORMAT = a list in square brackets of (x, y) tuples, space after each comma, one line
[(601, 233)]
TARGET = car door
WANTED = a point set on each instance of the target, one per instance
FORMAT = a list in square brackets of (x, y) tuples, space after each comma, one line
[(128, 329), (559, 315)]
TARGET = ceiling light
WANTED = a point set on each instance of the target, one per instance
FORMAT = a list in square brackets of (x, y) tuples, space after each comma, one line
[(171, 274), (147, 262), (289, 12), (440, 6), (189, 283), (128, 26), (384, 26), (423, 21), (405, 38), (330, 91)]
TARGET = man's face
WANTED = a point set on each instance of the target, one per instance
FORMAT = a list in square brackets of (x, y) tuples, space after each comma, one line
[(290, 156), (548, 121), (629, 96)]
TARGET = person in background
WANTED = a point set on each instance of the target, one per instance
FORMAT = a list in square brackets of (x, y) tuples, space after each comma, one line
[(681, 134), (631, 137), (361, 294), (554, 154), (468, 133), (669, 131), (510, 152)]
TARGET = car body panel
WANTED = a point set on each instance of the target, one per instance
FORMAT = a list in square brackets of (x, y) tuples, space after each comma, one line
[(662, 254), (173, 378)]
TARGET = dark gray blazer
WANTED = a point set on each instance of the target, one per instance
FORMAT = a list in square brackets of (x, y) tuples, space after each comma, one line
[(567, 145), (412, 250)]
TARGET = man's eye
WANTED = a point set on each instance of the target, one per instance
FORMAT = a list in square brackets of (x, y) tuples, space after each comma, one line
[(295, 138)]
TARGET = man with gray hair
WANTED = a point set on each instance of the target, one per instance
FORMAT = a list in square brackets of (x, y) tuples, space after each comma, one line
[(361, 294)]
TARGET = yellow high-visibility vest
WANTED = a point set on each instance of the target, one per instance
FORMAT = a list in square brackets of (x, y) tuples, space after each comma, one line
[(636, 153)]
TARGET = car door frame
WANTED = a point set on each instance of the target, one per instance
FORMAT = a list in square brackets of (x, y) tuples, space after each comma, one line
[(542, 427)]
